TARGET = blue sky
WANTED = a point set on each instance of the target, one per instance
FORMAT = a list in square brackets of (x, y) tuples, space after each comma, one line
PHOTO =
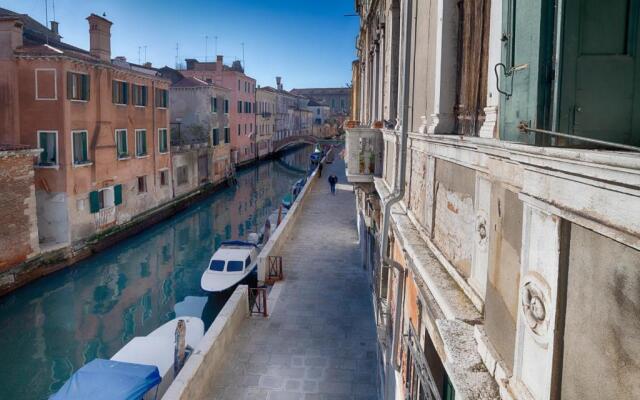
[(309, 43)]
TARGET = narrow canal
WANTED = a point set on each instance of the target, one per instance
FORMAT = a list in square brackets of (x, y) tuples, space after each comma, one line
[(53, 326)]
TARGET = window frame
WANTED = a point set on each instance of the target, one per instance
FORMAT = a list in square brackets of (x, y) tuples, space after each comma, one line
[(126, 155), (215, 136), (144, 94), (86, 162), (214, 104), (126, 97), (164, 95), (166, 139), (226, 106), (227, 134), (79, 100), (56, 165), (164, 171), (144, 183), (146, 147)]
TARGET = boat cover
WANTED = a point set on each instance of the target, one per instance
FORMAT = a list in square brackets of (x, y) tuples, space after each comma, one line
[(109, 380)]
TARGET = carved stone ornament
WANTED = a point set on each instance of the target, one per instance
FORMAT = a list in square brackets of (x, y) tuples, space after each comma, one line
[(535, 303), (481, 230)]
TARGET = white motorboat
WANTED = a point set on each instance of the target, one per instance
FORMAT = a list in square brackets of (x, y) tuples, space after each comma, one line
[(229, 265), (143, 368)]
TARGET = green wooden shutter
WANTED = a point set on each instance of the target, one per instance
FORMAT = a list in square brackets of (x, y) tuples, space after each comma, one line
[(114, 92), (94, 202), (526, 55), (85, 147), (117, 194), (125, 91), (144, 95), (86, 81)]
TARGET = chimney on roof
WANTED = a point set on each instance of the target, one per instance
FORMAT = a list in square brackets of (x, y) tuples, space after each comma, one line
[(191, 63), (278, 82), (10, 36), (54, 27), (100, 37), (147, 65), (219, 64)]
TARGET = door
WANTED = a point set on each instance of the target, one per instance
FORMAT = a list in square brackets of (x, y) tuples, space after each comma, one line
[(599, 83)]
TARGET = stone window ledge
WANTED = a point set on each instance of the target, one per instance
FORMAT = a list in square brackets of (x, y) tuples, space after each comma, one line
[(452, 324)]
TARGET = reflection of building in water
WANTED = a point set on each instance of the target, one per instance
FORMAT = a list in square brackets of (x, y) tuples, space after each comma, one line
[(53, 326)]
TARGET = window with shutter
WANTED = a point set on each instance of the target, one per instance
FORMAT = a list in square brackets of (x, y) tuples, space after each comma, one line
[(78, 86), (121, 143), (163, 140), (141, 142), (94, 202), (117, 194), (226, 106), (120, 92), (48, 142), (80, 147), (526, 76)]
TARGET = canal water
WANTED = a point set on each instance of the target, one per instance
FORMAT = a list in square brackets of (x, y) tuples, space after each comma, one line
[(50, 328)]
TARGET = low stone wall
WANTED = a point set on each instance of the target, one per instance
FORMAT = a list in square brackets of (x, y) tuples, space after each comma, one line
[(281, 234), (193, 381)]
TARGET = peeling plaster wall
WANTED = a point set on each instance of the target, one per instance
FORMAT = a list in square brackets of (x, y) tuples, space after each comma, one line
[(417, 198), (501, 302), (454, 214), (602, 331)]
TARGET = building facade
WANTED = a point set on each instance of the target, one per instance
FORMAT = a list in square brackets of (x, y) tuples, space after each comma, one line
[(338, 99), (502, 243), (102, 126), (266, 105), (200, 134), (242, 116)]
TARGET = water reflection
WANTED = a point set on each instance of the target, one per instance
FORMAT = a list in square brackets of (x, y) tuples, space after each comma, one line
[(55, 325)]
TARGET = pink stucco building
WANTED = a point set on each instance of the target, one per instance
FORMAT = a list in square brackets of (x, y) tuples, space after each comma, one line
[(242, 116)]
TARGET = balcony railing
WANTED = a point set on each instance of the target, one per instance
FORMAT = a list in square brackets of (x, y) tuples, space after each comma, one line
[(364, 151)]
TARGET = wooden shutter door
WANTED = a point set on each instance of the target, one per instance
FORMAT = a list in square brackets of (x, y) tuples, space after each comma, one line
[(94, 202), (527, 59), (117, 194), (599, 92), (471, 96)]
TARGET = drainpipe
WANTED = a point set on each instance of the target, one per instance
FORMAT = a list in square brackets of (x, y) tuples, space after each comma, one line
[(399, 184)]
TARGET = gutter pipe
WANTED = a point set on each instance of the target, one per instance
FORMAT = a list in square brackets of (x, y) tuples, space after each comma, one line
[(399, 184)]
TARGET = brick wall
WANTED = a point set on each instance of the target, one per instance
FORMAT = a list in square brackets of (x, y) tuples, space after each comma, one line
[(18, 223)]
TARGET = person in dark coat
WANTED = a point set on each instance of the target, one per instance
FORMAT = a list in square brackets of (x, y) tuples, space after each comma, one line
[(332, 182), (320, 170)]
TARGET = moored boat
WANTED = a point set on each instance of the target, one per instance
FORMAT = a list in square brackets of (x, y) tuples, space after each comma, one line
[(229, 265), (143, 369)]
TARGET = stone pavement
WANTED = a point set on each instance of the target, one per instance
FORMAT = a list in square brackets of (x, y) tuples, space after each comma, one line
[(320, 340)]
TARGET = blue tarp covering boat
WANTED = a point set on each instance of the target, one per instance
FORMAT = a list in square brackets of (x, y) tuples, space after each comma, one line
[(109, 380)]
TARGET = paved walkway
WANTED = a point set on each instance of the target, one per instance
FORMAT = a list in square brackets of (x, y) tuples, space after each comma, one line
[(319, 342)]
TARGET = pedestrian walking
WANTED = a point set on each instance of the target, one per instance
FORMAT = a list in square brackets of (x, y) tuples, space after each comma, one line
[(320, 170), (332, 183)]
